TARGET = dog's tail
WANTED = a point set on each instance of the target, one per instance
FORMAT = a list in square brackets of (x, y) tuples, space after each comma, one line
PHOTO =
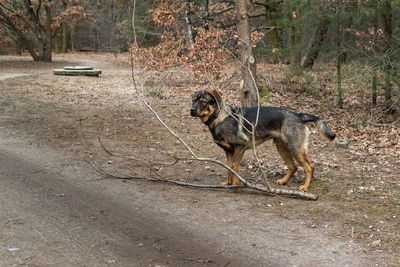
[(323, 129)]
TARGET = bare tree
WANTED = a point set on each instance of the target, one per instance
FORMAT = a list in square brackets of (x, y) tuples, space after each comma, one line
[(35, 23)]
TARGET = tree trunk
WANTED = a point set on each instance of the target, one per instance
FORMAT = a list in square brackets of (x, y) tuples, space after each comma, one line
[(206, 14), (387, 87), (29, 46), (339, 55), (294, 38), (42, 32), (312, 52), (248, 88), (373, 89), (385, 21), (58, 44), (271, 21), (48, 44), (65, 38), (189, 23)]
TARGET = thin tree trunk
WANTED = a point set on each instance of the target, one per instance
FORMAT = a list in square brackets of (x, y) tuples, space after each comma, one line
[(294, 39), (339, 82), (312, 52), (189, 23), (65, 31), (373, 89), (248, 88), (65, 38), (271, 21), (48, 45), (206, 14), (386, 22), (339, 56), (387, 86), (72, 40), (58, 44)]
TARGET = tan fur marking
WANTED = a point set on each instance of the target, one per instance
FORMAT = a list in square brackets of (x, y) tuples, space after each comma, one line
[(240, 132), (205, 114), (308, 167), (222, 114), (235, 166), (216, 94), (229, 157), (224, 144)]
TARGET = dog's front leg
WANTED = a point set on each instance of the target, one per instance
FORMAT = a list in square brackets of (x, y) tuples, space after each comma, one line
[(237, 158), (229, 157)]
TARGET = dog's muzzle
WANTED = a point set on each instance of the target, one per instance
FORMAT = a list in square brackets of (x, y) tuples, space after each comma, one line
[(193, 112)]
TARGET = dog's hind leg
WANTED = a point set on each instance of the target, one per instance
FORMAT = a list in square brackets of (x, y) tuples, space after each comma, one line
[(287, 157), (302, 158)]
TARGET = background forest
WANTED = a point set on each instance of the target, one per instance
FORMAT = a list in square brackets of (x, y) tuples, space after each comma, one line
[(360, 39)]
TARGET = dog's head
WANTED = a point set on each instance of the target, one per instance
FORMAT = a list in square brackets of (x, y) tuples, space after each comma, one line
[(206, 104)]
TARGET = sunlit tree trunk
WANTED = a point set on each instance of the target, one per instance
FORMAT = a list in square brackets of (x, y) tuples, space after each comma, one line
[(189, 23), (248, 86)]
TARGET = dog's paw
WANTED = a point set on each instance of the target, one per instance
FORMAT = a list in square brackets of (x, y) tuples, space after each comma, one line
[(224, 183), (303, 188), (281, 181), (235, 182)]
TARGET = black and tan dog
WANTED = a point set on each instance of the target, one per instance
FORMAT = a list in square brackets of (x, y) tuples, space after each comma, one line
[(231, 128)]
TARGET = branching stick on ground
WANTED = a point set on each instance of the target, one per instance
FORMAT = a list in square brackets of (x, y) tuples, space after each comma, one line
[(139, 89)]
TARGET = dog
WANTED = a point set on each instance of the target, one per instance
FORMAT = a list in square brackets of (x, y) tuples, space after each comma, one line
[(232, 129)]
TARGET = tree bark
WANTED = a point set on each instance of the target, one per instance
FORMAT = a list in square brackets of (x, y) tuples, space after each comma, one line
[(294, 35), (189, 23), (373, 89), (271, 21), (312, 52), (206, 14), (23, 40), (339, 55), (248, 88), (385, 22), (42, 31), (48, 45), (65, 38)]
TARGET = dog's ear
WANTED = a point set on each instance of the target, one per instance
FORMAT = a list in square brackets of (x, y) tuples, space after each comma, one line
[(216, 95)]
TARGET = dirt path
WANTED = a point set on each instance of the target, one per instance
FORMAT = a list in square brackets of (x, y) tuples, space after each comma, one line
[(55, 215), (49, 218), (56, 210)]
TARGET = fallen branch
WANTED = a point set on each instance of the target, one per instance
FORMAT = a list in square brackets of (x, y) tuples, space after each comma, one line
[(246, 185), (257, 187), (266, 189)]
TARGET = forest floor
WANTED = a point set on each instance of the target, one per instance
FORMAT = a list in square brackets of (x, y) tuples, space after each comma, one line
[(355, 221)]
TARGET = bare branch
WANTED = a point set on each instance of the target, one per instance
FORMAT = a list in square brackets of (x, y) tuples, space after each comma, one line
[(258, 187)]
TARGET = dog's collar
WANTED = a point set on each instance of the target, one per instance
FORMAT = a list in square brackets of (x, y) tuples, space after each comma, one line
[(211, 119)]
